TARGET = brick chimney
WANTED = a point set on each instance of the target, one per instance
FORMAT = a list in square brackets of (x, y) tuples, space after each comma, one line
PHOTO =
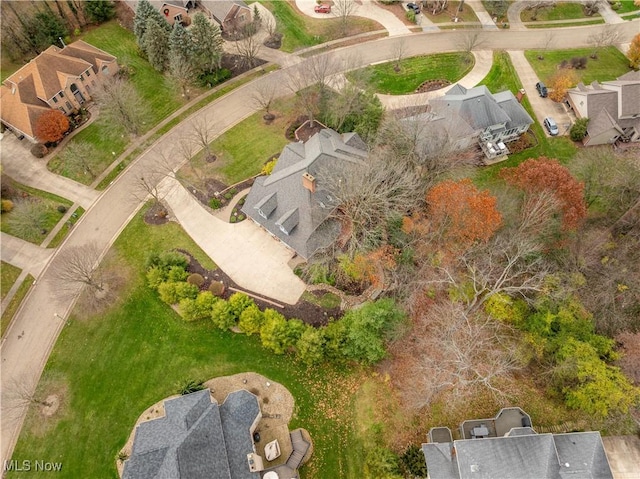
[(309, 182), (521, 93)]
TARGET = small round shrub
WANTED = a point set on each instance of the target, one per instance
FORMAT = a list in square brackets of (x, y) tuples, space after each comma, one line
[(196, 279), (39, 150), (228, 195), (62, 209), (579, 129), (233, 219), (7, 205), (215, 203), (217, 288), (233, 191), (241, 217)]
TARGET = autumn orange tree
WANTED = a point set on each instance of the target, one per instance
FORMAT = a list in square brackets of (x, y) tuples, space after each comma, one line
[(462, 213), (51, 126), (634, 52), (541, 175), (560, 82)]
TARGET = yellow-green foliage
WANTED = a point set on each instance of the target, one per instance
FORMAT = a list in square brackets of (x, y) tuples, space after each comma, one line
[(268, 167), (504, 308)]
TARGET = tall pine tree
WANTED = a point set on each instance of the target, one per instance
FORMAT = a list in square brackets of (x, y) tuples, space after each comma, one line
[(155, 43), (143, 11), (180, 43), (207, 44)]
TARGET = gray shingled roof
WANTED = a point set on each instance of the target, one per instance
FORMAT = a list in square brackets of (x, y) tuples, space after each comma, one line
[(221, 8), (476, 105), (313, 228), (196, 439), (523, 455), (518, 116)]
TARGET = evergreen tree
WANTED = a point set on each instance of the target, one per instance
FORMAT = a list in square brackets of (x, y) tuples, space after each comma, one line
[(207, 43), (180, 43), (155, 43), (143, 11), (100, 10)]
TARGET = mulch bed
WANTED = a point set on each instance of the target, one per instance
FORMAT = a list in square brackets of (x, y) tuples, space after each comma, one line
[(274, 41), (307, 312), (156, 215), (432, 85), (307, 130)]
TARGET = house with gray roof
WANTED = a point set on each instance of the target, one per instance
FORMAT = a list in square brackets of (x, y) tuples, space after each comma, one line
[(520, 453), (475, 115), (613, 109), (228, 14), (197, 438), (293, 203)]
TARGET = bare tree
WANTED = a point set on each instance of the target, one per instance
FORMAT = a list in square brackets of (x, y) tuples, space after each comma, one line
[(606, 37), (28, 219), (121, 106), (76, 268), (437, 6), (182, 72), (343, 9), (80, 155), (248, 47), (399, 51), (270, 25), (263, 96), (549, 38), (470, 41), (20, 394)]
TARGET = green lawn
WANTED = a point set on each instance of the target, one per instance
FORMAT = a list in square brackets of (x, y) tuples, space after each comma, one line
[(8, 275), (627, 6), (36, 234), (611, 63), (64, 231), (562, 25), (416, 70), (301, 31), (466, 15), (114, 366), (560, 11), (8, 314)]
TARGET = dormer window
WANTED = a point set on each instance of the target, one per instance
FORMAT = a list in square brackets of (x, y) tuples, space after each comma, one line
[(178, 18)]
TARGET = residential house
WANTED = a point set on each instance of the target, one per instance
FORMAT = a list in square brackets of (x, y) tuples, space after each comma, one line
[(613, 109), (197, 438), (487, 451), (475, 115), (228, 14), (62, 78), (292, 203)]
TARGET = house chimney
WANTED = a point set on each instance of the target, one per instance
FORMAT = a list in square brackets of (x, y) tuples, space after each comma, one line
[(520, 95), (309, 182)]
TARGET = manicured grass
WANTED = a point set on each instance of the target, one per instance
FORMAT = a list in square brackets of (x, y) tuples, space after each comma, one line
[(8, 275), (416, 70), (563, 24), (244, 149), (62, 234), (466, 15), (327, 300), (116, 365), (611, 63), (51, 202), (559, 11), (627, 6), (301, 31), (14, 304)]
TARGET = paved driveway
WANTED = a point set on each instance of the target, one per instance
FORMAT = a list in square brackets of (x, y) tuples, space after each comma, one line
[(623, 453), (251, 257), (542, 107)]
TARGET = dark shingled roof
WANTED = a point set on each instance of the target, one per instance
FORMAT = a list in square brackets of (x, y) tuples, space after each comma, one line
[(476, 106), (196, 439), (521, 455), (303, 215)]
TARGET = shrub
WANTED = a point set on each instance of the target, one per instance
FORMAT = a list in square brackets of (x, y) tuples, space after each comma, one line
[(199, 308), (190, 386), (241, 217), (579, 63), (274, 332), (215, 203), (411, 16), (239, 302), (215, 78), (222, 315), (177, 274), (172, 292), (311, 346), (39, 150), (251, 320), (167, 259), (267, 169), (579, 129), (155, 276), (51, 126), (217, 288), (233, 219), (62, 209), (413, 461), (7, 205), (196, 279), (228, 195)]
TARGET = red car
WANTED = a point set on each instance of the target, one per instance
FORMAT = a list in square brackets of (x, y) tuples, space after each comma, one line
[(322, 9)]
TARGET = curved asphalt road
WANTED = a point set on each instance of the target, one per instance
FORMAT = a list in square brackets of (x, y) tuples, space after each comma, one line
[(25, 355)]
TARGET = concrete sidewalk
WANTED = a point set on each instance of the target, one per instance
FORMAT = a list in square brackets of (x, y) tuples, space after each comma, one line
[(483, 63), (24, 255), (255, 260), (482, 14), (19, 164)]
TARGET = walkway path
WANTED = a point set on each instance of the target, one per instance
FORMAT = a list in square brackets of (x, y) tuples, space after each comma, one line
[(483, 63), (26, 256), (33, 172), (248, 254), (25, 355), (482, 14), (367, 9)]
